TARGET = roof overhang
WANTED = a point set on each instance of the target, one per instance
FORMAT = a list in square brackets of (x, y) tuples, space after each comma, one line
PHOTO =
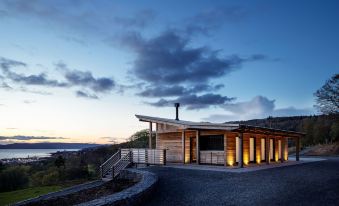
[(219, 126)]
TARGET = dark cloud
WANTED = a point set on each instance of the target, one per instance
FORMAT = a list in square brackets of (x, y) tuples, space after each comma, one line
[(86, 79), (171, 91), (86, 95), (40, 79), (170, 67), (21, 137), (8, 63), (194, 101), (72, 78)]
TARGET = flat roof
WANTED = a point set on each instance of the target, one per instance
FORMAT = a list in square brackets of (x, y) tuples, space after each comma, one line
[(182, 124)]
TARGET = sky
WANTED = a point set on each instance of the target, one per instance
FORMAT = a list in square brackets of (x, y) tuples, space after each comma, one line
[(78, 71)]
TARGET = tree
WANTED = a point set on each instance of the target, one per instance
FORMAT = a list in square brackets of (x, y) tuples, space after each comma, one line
[(334, 133), (60, 161), (327, 97)]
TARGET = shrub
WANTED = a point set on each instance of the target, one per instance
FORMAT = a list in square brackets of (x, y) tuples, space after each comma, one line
[(13, 178)]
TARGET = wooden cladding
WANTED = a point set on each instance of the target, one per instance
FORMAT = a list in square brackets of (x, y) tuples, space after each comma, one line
[(173, 143)]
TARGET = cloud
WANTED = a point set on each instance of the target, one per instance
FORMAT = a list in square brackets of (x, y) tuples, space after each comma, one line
[(5, 63), (23, 138), (86, 79), (29, 101), (39, 79), (258, 107), (194, 101), (72, 78), (4, 85), (170, 67), (86, 95), (169, 59)]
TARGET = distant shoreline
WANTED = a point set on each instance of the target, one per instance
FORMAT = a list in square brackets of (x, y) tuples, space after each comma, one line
[(30, 154), (50, 145)]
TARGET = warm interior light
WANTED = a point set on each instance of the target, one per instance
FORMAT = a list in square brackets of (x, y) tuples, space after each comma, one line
[(230, 162)]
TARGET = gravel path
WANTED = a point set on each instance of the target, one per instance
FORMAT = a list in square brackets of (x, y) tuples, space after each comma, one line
[(314, 183)]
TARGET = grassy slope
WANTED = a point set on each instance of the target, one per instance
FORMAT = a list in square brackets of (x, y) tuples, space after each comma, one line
[(7, 198)]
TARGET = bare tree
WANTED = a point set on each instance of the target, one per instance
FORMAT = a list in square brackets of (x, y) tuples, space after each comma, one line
[(327, 99)]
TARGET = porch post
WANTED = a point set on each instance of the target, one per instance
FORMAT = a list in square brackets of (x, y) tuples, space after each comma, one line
[(267, 150), (150, 136), (225, 149), (282, 152), (297, 148), (198, 146), (183, 146), (241, 154)]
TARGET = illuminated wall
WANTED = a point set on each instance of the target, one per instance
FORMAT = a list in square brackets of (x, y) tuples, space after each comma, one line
[(285, 139), (230, 153), (246, 149), (276, 149), (258, 149)]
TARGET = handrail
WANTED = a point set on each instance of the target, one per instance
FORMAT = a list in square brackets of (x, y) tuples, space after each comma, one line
[(107, 165), (124, 162), (146, 156)]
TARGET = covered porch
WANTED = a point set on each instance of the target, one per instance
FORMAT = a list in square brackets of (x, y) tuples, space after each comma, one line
[(230, 145)]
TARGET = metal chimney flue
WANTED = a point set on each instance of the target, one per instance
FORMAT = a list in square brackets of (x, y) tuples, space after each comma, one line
[(177, 105)]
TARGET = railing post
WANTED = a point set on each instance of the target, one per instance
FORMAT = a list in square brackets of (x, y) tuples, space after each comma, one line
[(164, 158), (146, 157), (112, 172)]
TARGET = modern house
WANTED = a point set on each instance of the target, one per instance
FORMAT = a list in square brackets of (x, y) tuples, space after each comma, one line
[(224, 144), (186, 142)]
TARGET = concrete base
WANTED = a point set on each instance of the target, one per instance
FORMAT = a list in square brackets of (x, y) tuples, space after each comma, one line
[(247, 168)]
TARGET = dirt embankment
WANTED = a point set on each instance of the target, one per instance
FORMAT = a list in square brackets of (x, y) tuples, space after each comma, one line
[(324, 150)]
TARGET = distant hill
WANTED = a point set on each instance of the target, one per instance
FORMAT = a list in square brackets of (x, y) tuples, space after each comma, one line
[(319, 129), (48, 146)]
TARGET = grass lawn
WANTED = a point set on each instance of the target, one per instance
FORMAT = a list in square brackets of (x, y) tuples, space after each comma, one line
[(7, 198)]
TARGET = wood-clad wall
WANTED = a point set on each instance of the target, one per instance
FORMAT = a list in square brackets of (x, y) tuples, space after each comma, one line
[(230, 153), (246, 148), (172, 142), (258, 148)]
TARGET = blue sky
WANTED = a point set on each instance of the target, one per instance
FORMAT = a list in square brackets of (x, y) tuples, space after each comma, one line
[(80, 70)]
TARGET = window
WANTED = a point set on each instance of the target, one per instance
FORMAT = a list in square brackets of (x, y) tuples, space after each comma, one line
[(212, 142)]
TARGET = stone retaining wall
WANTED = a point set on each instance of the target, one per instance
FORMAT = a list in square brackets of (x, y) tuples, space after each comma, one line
[(134, 195), (61, 193)]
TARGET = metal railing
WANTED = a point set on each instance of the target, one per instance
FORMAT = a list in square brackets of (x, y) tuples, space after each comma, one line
[(124, 162), (106, 167), (147, 156)]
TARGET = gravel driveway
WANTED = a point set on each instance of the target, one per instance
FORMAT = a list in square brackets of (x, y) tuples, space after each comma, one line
[(314, 183)]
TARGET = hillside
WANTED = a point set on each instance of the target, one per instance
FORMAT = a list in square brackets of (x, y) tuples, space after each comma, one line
[(319, 129)]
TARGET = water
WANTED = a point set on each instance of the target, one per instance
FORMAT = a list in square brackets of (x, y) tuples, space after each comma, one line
[(24, 153)]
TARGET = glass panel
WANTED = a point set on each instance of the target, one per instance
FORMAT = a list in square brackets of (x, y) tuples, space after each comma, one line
[(212, 142)]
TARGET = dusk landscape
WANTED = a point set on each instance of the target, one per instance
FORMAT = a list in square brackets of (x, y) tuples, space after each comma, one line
[(169, 102)]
